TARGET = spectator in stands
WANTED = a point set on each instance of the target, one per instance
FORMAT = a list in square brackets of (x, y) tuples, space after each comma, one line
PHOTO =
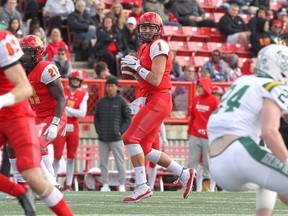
[(180, 94), (56, 43), (76, 107), (233, 71), (255, 5), (216, 67), (281, 15), (14, 27), (31, 8), (261, 13), (102, 70), (248, 67), (42, 36), (57, 11), (64, 65), (119, 14), (109, 43), (32, 26), (176, 71), (91, 6), (217, 91), (202, 107), (158, 7), (99, 15), (275, 32), (130, 37), (190, 13), (82, 23), (10, 11), (233, 27), (260, 38), (112, 118), (137, 10)]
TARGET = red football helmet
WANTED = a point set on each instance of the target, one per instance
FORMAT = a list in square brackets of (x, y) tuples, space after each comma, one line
[(78, 75), (147, 20), (33, 49)]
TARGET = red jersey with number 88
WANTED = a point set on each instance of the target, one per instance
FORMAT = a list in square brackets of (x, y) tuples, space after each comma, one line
[(41, 100)]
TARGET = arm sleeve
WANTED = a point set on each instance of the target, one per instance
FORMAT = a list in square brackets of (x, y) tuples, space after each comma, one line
[(163, 132), (81, 112)]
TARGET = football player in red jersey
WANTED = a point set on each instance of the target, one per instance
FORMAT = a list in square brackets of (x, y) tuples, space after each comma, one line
[(47, 100), (76, 107), (152, 68), (18, 128)]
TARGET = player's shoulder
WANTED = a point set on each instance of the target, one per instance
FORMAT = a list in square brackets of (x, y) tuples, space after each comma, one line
[(159, 46), (3, 34)]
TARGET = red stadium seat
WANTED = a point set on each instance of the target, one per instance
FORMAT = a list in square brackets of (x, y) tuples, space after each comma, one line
[(217, 17), (196, 34), (181, 48), (198, 48), (243, 51), (208, 5), (245, 17), (215, 35), (173, 33), (200, 61), (185, 60), (224, 48), (276, 5)]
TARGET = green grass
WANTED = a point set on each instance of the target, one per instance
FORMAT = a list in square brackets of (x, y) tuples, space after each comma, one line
[(161, 203)]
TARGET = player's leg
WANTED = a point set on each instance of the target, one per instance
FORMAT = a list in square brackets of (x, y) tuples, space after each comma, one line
[(265, 202), (27, 150), (152, 166), (73, 140)]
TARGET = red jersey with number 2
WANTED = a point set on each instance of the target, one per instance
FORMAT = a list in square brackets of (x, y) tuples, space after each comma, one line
[(41, 100)]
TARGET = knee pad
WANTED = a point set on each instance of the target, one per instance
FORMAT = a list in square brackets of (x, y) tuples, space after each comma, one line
[(134, 149), (265, 199), (153, 156)]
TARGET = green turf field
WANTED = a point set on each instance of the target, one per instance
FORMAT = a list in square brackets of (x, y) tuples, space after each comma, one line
[(161, 203)]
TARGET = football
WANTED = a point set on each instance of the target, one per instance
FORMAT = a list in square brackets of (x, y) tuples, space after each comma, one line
[(127, 73)]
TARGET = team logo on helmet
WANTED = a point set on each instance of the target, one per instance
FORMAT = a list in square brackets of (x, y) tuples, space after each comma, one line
[(282, 59)]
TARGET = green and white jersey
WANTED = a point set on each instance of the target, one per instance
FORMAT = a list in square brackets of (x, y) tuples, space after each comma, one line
[(240, 107)]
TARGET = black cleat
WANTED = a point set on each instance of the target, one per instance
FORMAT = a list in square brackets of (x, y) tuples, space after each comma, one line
[(27, 201)]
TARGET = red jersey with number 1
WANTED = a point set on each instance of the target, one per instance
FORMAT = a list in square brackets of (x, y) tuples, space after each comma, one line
[(42, 101), (146, 53), (10, 52)]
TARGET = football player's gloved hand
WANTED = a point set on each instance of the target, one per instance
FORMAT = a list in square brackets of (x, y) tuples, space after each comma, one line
[(130, 61), (51, 132)]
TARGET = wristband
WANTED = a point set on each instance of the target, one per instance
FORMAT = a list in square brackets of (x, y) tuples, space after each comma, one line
[(55, 121), (7, 100), (143, 73)]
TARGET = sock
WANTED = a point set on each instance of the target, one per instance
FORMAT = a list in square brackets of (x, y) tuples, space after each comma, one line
[(152, 176), (140, 175), (10, 187), (48, 164), (69, 171), (176, 168), (47, 175), (55, 201), (56, 165), (16, 174)]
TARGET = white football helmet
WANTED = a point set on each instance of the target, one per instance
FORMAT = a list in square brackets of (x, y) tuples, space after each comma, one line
[(272, 62)]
